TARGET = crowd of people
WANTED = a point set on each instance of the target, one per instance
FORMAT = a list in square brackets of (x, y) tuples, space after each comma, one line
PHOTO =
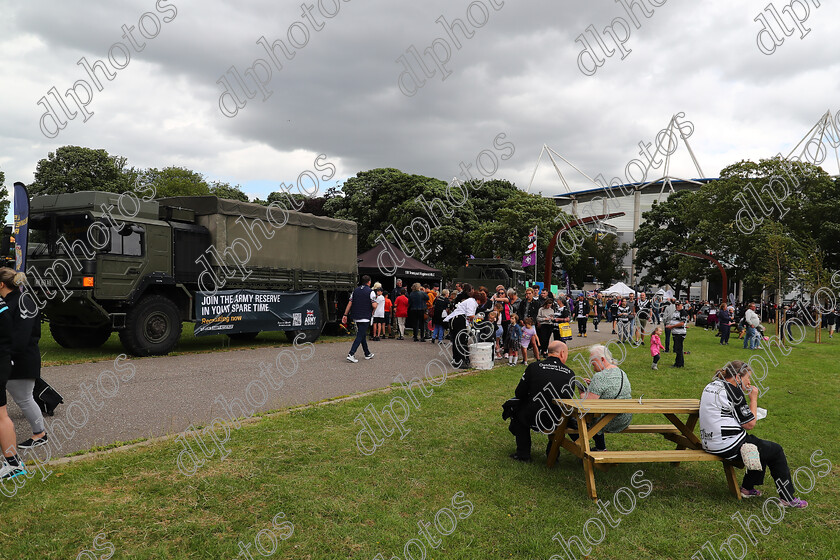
[(521, 328), (539, 325)]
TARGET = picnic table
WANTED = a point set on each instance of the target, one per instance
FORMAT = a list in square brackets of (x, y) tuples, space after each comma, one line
[(678, 431)]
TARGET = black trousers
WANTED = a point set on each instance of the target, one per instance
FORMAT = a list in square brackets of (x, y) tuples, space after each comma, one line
[(460, 345), (679, 360), (773, 456), (595, 320), (544, 336), (667, 340), (724, 333), (600, 441), (415, 323), (523, 421), (582, 325)]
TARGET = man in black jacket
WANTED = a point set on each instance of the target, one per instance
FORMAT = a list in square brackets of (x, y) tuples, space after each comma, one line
[(542, 382)]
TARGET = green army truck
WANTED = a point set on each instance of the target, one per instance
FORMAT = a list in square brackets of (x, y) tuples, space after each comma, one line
[(491, 273), (102, 262)]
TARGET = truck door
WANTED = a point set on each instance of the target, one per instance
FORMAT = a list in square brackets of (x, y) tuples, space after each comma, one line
[(121, 262)]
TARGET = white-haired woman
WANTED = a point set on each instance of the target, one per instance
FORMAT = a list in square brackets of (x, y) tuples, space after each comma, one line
[(608, 382)]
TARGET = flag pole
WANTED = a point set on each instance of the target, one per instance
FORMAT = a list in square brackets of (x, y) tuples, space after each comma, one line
[(536, 254)]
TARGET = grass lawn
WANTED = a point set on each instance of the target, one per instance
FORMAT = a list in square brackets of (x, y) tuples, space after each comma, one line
[(53, 354), (343, 504)]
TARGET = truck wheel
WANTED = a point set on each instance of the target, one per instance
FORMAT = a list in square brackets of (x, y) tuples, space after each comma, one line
[(243, 336), (309, 335), (80, 337), (152, 327)]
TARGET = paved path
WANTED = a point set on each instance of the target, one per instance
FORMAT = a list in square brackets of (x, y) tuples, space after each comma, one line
[(167, 394)]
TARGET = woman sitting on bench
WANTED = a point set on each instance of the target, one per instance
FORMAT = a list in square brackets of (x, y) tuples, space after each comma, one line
[(725, 416), (608, 382)]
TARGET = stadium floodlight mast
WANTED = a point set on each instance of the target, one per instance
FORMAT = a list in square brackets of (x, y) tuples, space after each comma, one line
[(824, 130), (569, 194), (672, 128)]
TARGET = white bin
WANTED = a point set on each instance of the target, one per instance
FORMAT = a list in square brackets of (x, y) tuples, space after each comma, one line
[(481, 355)]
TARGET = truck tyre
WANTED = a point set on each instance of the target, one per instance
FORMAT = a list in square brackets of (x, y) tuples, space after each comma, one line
[(309, 335), (80, 337), (243, 336), (152, 327)]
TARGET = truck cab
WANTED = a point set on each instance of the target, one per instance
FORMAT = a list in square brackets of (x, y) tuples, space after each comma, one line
[(91, 256)]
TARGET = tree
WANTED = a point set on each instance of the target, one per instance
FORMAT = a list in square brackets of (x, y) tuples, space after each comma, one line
[(668, 227), (74, 168), (175, 181), (788, 203), (503, 230), (306, 204), (779, 257), (814, 278), (602, 258), (225, 190), (384, 202)]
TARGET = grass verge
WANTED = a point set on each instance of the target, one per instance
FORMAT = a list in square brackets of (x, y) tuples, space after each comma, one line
[(343, 504)]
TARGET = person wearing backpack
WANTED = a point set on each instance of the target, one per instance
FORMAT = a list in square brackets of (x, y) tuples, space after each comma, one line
[(25, 354)]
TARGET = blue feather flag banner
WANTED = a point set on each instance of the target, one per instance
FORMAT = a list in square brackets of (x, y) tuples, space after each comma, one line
[(21, 229)]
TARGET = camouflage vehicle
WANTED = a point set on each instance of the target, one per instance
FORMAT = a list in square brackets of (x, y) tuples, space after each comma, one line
[(491, 273), (102, 262)]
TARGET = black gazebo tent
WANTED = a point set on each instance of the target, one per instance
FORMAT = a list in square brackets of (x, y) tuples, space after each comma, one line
[(385, 263)]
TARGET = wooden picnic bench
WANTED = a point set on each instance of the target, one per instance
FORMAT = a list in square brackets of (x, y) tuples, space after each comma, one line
[(688, 447)]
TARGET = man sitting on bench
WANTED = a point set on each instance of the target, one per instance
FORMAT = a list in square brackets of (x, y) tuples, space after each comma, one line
[(542, 382)]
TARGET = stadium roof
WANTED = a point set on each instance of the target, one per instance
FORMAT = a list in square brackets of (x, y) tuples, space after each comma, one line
[(627, 186)]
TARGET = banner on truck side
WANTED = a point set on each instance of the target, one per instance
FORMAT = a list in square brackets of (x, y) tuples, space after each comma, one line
[(243, 311)]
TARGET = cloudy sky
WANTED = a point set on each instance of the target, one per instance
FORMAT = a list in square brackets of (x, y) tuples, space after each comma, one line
[(341, 91)]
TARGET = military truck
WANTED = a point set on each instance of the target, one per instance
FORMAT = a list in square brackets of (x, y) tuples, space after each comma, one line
[(491, 273), (137, 266)]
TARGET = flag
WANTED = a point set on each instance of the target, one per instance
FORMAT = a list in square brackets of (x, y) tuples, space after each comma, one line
[(21, 228), (530, 258), (532, 242)]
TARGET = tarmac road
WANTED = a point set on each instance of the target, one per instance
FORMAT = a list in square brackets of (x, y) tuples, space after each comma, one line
[(105, 402)]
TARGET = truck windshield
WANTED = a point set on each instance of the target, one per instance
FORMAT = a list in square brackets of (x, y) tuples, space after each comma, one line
[(52, 235), (56, 235)]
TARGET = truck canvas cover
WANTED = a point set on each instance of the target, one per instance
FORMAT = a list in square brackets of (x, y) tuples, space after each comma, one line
[(305, 242)]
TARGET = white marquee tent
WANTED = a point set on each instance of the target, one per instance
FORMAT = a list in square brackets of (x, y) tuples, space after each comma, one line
[(620, 288)]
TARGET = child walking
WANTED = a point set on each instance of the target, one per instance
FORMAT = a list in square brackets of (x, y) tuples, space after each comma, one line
[(529, 339), (656, 346), (514, 338)]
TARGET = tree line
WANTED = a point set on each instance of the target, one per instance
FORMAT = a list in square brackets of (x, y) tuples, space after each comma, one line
[(773, 224)]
